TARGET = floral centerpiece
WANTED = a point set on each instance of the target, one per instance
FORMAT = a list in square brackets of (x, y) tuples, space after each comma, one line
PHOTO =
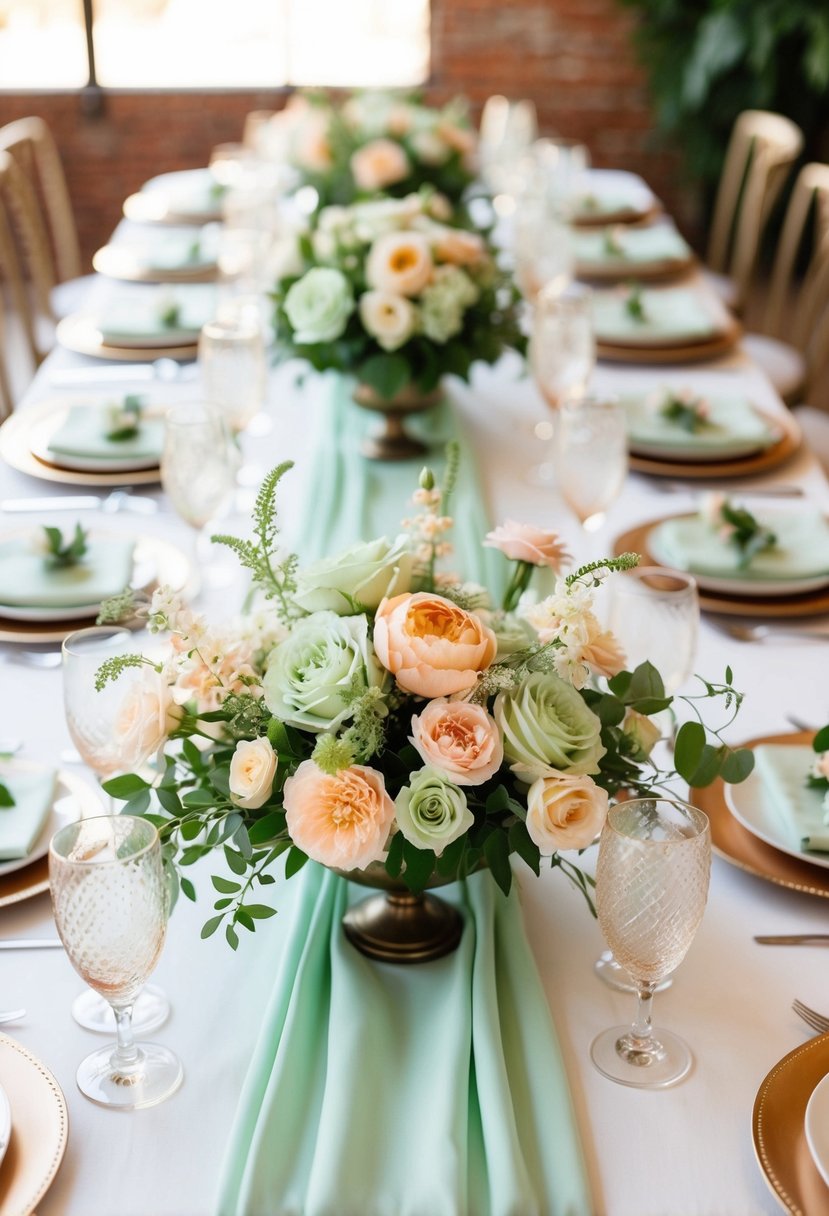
[(374, 142), (377, 714)]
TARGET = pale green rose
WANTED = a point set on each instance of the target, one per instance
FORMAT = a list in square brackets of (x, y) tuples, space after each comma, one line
[(512, 633), (318, 306), (548, 728), (362, 575), (311, 676), (432, 811)]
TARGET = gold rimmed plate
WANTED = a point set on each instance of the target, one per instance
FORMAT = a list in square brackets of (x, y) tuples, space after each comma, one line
[(814, 602), (779, 1133), (696, 351), (159, 207), (620, 271), (741, 848), (122, 262), (40, 1129), (782, 449), (80, 334)]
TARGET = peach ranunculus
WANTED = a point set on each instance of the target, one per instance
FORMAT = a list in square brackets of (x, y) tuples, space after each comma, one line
[(459, 739), (144, 721), (458, 247), (379, 164), (525, 543), (565, 812), (400, 262), (342, 820), (432, 646)]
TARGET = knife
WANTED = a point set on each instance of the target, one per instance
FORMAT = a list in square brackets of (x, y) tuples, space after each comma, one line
[(78, 502), (794, 939), (30, 943)]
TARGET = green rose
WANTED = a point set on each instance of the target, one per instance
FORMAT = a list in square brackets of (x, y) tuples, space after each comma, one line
[(364, 573), (318, 306), (431, 811), (547, 726), (311, 676)]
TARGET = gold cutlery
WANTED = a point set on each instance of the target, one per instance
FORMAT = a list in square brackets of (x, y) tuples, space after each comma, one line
[(794, 939), (811, 1017)]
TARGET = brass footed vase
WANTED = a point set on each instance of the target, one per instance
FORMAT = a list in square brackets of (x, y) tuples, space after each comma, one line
[(391, 440), (397, 926)]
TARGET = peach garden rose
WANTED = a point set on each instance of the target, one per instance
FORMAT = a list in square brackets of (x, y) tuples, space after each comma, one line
[(379, 164), (342, 820), (252, 770), (432, 646), (399, 262), (565, 812), (459, 739), (145, 719)]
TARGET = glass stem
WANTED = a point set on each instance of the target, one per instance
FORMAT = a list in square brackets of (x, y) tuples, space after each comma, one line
[(642, 1029), (126, 1056)]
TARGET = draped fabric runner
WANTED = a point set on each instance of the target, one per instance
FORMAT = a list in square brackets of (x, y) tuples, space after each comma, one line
[(375, 1090)]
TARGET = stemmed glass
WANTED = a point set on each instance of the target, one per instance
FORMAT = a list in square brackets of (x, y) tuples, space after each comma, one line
[(508, 129), (590, 457), (91, 717), (543, 248), (198, 468), (562, 356), (233, 366), (111, 899), (651, 888)]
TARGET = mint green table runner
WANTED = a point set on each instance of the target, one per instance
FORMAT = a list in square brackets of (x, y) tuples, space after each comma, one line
[(375, 1090)]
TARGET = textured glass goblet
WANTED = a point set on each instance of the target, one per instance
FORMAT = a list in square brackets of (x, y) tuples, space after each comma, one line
[(590, 452), (110, 898), (651, 888)]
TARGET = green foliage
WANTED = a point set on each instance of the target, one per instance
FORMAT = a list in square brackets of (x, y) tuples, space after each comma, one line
[(63, 553), (749, 536), (111, 669), (686, 414)]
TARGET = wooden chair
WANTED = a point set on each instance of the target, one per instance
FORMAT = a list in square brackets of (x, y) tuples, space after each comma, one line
[(761, 150), (793, 345)]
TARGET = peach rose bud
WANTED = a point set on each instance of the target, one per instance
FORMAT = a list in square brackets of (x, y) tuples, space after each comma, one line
[(432, 646), (252, 771), (342, 821), (458, 739), (525, 543), (565, 812)]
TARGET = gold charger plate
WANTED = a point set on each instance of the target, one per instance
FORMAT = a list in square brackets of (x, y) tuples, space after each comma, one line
[(772, 607), (659, 268), (741, 848), (78, 333), (734, 466), (172, 566), (682, 352), (25, 428), (778, 1129), (622, 215), (155, 207), (119, 262), (40, 1129)]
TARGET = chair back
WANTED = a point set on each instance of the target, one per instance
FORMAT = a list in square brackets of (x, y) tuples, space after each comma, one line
[(30, 142), (761, 150)]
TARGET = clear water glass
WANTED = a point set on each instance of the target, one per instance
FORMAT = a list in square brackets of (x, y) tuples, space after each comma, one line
[(198, 463), (652, 880), (233, 367), (559, 171), (562, 344), (508, 129), (542, 248), (655, 615), (590, 457), (110, 897)]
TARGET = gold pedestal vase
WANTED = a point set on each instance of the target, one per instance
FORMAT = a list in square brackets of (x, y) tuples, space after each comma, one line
[(396, 926), (391, 440)]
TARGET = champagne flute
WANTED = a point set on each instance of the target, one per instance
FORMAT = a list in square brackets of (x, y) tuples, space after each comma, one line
[(233, 367), (562, 357), (655, 615), (651, 888), (198, 469), (91, 717), (590, 456), (543, 248), (110, 897)]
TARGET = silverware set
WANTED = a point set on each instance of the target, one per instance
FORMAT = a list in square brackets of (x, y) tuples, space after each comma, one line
[(118, 500)]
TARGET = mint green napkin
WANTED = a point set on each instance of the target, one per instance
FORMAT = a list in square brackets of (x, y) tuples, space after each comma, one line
[(27, 581), (783, 771), (592, 206), (83, 433), (189, 190), (676, 315), (639, 246), (802, 550), (136, 314), (196, 248), (21, 824), (433, 1090), (733, 427)]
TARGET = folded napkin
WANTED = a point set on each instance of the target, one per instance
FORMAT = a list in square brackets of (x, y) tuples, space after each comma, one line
[(783, 771), (28, 581), (637, 246), (679, 314), (182, 249), (84, 433), (802, 549), (733, 426), (430, 1090), (21, 824), (138, 313), (190, 189)]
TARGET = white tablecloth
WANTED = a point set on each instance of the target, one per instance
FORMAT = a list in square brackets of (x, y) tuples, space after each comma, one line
[(681, 1152)]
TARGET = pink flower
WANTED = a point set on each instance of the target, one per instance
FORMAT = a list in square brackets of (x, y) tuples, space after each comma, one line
[(525, 543), (432, 646), (460, 740), (378, 164), (565, 812), (341, 821)]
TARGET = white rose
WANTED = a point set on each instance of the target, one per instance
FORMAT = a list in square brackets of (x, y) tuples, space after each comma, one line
[(144, 721), (318, 305), (252, 771), (388, 317), (367, 573), (565, 812), (399, 262)]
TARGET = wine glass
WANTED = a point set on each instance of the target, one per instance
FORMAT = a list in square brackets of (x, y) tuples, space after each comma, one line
[(590, 457), (110, 897), (543, 248), (507, 131), (560, 168), (651, 888), (233, 367), (562, 356), (654, 613), (198, 469), (90, 717)]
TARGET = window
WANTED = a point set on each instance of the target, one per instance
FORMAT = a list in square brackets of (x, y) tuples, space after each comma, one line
[(214, 43)]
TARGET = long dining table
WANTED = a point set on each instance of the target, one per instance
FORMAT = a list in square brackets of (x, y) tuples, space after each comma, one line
[(685, 1151)]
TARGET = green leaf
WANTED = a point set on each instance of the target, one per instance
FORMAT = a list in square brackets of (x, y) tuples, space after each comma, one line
[(386, 374), (419, 866), (609, 710), (707, 768), (498, 801), (520, 843), (448, 861), (690, 741), (210, 926), (125, 786), (235, 861), (737, 766), (394, 857), (242, 841), (198, 798), (224, 885), (243, 918), (496, 852), (5, 797), (294, 862), (138, 804), (266, 828), (646, 682), (729, 676), (191, 828), (192, 755), (188, 889), (260, 911), (651, 705), (232, 937), (169, 800), (821, 740), (223, 903)]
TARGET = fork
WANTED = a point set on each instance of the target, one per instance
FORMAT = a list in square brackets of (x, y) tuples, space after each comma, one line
[(811, 1017)]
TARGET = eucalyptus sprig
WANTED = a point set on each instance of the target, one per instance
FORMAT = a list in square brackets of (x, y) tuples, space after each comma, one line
[(690, 415), (746, 533), (125, 420), (63, 553)]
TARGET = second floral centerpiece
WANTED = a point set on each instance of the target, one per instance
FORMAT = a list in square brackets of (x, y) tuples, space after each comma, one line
[(383, 718)]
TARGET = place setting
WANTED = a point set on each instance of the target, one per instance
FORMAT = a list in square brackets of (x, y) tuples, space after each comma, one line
[(685, 324), (616, 252), (140, 323), (187, 196), (150, 254), (612, 196)]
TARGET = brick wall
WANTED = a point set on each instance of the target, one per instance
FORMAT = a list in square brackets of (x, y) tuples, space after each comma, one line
[(572, 57)]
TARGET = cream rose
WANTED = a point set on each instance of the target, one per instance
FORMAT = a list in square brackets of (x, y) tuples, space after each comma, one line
[(601, 650), (342, 820), (399, 262), (364, 574), (565, 812), (387, 317), (642, 732), (525, 543), (432, 646), (379, 164), (459, 739), (144, 721), (252, 771)]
